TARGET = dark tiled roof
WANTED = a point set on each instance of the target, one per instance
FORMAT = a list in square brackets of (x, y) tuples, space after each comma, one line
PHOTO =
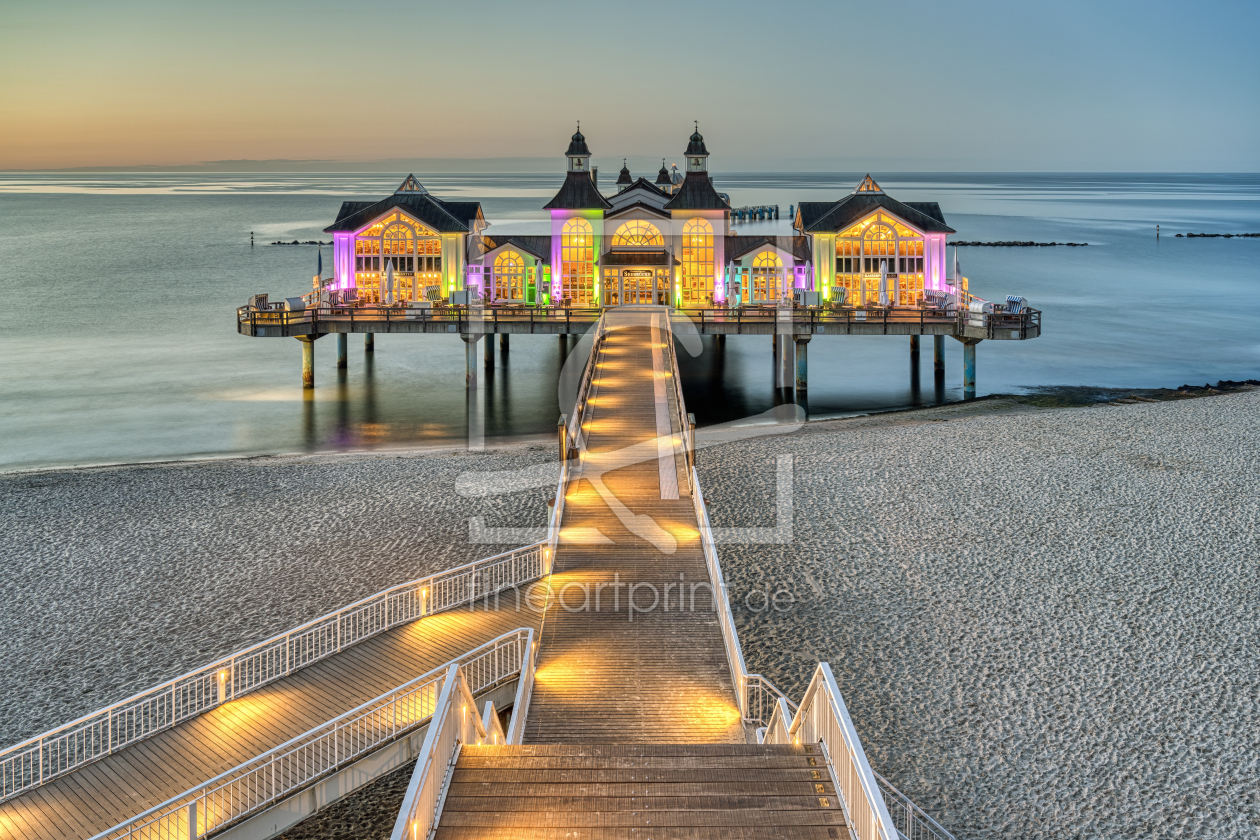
[(697, 193), (577, 145), (539, 246), (808, 212), (349, 208), (578, 192), (662, 177), (439, 215), (797, 246), (623, 177), (637, 205), (613, 258), (928, 208), (642, 183), (853, 208), (696, 146)]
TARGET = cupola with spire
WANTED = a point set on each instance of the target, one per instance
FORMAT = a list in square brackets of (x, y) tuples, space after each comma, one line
[(662, 177), (623, 179), (697, 154), (579, 155)]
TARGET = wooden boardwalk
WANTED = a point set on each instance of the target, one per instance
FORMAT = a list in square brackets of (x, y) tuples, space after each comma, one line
[(654, 671), (662, 792), (106, 792)]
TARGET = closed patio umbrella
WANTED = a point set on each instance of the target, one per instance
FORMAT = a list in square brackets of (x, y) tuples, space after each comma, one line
[(387, 289), (883, 282)]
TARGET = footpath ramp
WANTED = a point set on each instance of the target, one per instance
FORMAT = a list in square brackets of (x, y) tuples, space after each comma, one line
[(631, 650), (117, 787)]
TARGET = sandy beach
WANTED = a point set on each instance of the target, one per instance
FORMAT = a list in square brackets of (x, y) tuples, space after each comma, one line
[(1043, 621)]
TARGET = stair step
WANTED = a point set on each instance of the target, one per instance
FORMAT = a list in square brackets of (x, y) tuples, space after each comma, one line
[(641, 791), (647, 833), (615, 775), (640, 749)]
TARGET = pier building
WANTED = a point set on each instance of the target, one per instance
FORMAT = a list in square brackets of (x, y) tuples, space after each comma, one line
[(863, 264)]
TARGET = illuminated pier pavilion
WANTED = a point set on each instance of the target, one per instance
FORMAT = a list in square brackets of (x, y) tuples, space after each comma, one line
[(865, 264)]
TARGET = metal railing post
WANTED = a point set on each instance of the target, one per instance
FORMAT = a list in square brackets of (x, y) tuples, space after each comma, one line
[(192, 820)]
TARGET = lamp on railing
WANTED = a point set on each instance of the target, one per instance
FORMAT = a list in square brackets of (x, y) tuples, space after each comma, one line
[(424, 601), (223, 675)]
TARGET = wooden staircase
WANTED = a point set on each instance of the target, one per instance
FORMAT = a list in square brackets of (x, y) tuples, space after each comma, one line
[(645, 792)]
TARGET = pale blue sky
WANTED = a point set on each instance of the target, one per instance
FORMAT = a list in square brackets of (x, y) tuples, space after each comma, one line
[(776, 85)]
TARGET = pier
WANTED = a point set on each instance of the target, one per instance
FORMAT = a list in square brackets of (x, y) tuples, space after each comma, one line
[(591, 683), (799, 324)]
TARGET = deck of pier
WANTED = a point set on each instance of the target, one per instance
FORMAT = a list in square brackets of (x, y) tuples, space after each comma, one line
[(652, 669), (530, 320), (117, 787)]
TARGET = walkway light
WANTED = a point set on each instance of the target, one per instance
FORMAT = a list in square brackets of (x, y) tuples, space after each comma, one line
[(223, 675)]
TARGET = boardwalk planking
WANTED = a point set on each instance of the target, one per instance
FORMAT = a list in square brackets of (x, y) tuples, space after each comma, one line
[(106, 792), (604, 674)]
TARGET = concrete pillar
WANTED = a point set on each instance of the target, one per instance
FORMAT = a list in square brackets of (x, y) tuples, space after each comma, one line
[(489, 352), (341, 351), (308, 360), (369, 342), (969, 371), (503, 343), (470, 361), (784, 361), (938, 355), (802, 364)]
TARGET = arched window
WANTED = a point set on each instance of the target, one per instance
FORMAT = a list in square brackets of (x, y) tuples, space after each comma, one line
[(697, 262), (879, 239), (767, 276), (415, 251), (577, 262), (509, 276), (637, 234)]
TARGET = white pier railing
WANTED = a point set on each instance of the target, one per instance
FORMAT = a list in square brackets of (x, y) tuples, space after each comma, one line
[(276, 774), (44, 757), (869, 801), (455, 723)]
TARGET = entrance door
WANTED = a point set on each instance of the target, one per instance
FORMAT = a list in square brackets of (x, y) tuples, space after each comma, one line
[(636, 286)]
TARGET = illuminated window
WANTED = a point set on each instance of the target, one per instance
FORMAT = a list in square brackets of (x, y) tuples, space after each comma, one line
[(415, 251), (697, 262), (879, 239), (637, 234), (509, 276), (577, 262), (767, 276)]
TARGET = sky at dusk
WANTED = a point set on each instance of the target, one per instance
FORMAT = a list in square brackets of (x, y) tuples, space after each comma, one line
[(910, 86)]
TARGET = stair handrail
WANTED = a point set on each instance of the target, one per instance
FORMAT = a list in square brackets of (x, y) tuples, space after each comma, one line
[(823, 717), (746, 684), (454, 723), (58, 751), (263, 781)]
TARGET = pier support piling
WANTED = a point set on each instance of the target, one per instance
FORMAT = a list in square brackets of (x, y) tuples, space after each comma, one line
[(914, 359), (784, 362), (969, 369), (341, 351), (938, 357), (470, 361), (489, 353), (369, 342), (802, 365), (308, 360), (503, 343)]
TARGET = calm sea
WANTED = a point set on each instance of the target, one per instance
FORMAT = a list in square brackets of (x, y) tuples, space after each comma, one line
[(120, 294)]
